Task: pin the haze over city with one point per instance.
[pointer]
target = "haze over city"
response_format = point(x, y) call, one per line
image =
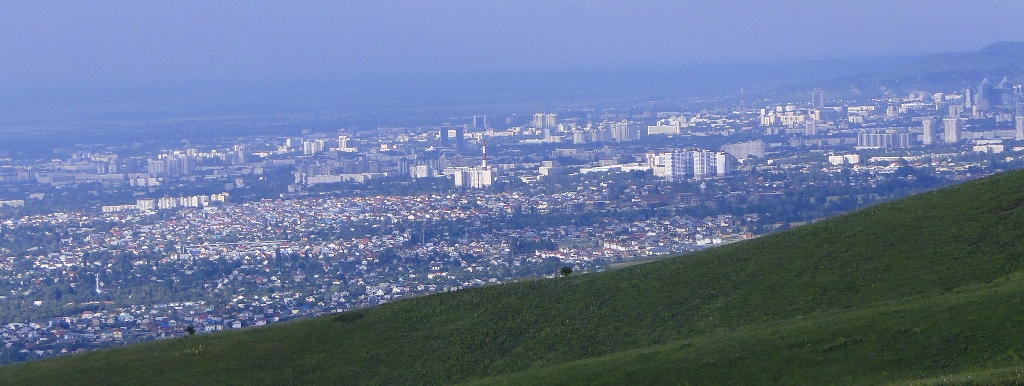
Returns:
point(652, 192)
point(60, 54)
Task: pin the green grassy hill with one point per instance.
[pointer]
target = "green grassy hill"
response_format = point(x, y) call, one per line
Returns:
point(926, 290)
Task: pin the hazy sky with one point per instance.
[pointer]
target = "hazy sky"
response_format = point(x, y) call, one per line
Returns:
point(46, 42)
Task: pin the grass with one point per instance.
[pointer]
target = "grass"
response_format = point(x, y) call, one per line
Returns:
point(901, 292)
point(948, 334)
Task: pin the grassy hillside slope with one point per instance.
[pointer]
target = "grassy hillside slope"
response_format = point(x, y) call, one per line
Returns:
point(914, 289)
point(954, 335)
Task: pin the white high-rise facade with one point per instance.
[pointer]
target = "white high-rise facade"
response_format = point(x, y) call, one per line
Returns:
point(679, 165)
point(928, 131)
point(704, 164)
point(951, 129)
point(1019, 120)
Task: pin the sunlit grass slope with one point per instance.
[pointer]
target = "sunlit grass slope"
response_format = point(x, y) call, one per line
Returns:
point(910, 291)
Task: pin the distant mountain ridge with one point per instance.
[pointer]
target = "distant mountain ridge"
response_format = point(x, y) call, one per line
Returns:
point(938, 72)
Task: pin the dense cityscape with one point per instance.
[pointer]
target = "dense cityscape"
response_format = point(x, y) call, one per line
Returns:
point(106, 246)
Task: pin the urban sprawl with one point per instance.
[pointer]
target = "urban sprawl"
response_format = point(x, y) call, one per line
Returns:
point(104, 247)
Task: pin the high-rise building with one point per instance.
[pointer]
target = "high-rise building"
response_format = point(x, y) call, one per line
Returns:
point(723, 163)
point(157, 167)
point(621, 132)
point(476, 177)
point(241, 154)
point(877, 140)
point(983, 100)
point(1019, 120)
point(955, 111)
point(817, 98)
point(545, 121)
point(811, 127)
point(445, 142)
point(1004, 95)
point(421, 171)
point(188, 165)
point(479, 121)
point(460, 138)
point(705, 164)
point(892, 112)
point(968, 98)
point(473, 177)
point(538, 121)
point(951, 130)
point(745, 150)
point(678, 165)
point(312, 147)
point(928, 131)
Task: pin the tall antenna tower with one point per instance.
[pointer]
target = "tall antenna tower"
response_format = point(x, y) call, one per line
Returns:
point(483, 148)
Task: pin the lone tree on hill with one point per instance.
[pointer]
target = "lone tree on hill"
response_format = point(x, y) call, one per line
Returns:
point(565, 271)
point(190, 330)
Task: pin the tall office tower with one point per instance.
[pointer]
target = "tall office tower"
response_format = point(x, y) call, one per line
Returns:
point(550, 121)
point(460, 137)
point(928, 128)
point(479, 121)
point(188, 165)
point(811, 127)
point(1019, 120)
point(817, 98)
point(968, 98)
point(984, 98)
point(538, 120)
point(445, 142)
point(156, 167)
point(723, 163)
point(951, 129)
point(621, 132)
point(1004, 93)
point(955, 111)
point(545, 121)
point(892, 112)
point(241, 154)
